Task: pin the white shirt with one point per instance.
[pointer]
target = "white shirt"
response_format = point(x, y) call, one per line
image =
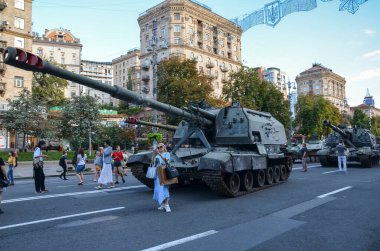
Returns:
point(81, 160)
point(37, 152)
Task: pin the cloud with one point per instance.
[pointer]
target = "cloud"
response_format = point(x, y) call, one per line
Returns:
point(365, 75)
point(373, 55)
point(369, 32)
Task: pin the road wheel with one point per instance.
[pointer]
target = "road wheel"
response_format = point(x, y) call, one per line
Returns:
point(323, 160)
point(233, 182)
point(259, 178)
point(247, 181)
point(283, 173)
point(276, 174)
point(269, 175)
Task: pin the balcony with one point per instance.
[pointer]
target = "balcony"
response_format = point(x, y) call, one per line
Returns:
point(145, 66)
point(210, 65)
point(145, 89)
point(223, 68)
point(180, 56)
point(145, 78)
point(3, 25)
point(3, 5)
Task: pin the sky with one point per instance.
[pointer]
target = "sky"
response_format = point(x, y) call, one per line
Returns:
point(346, 43)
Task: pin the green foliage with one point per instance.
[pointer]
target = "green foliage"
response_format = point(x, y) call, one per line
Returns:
point(180, 84)
point(78, 116)
point(247, 88)
point(155, 136)
point(26, 115)
point(49, 89)
point(375, 126)
point(124, 137)
point(310, 113)
point(360, 119)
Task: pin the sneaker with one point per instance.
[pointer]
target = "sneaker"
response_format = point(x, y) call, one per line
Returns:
point(37, 192)
point(111, 186)
point(117, 182)
point(123, 180)
point(80, 183)
point(161, 207)
point(98, 187)
point(167, 208)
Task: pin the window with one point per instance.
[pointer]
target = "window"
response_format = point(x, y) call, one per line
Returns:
point(62, 60)
point(163, 32)
point(191, 19)
point(192, 56)
point(40, 51)
point(191, 31)
point(163, 21)
point(19, 4)
point(177, 28)
point(146, 27)
point(216, 74)
point(222, 53)
point(216, 63)
point(73, 94)
point(177, 16)
point(200, 59)
point(19, 23)
point(19, 81)
point(177, 40)
point(19, 42)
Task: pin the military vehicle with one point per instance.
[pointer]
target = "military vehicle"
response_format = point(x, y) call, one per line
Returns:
point(233, 150)
point(360, 142)
point(135, 121)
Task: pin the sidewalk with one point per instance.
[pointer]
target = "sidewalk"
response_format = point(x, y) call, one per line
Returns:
point(24, 169)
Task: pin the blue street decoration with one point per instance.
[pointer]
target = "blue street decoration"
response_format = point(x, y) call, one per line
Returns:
point(272, 13)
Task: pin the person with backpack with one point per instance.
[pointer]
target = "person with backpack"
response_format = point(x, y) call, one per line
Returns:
point(63, 164)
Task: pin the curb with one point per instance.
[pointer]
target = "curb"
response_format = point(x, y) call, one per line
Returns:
point(52, 175)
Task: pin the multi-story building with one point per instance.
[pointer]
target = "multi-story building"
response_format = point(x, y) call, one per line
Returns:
point(15, 31)
point(61, 46)
point(368, 106)
point(101, 71)
point(127, 73)
point(189, 30)
point(278, 79)
point(319, 80)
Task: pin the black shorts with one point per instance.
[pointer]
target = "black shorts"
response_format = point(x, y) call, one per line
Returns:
point(117, 163)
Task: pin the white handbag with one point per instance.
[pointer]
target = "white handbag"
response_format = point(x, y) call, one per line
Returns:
point(151, 173)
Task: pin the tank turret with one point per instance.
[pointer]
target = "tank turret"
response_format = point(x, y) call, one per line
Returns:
point(233, 150)
point(360, 142)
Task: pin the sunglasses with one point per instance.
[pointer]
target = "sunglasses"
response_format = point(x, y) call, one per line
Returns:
point(161, 147)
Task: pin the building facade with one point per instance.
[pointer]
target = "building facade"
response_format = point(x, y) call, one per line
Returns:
point(127, 73)
point(189, 30)
point(62, 47)
point(100, 71)
point(319, 80)
point(368, 106)
point(15, 31)
point(278, 79)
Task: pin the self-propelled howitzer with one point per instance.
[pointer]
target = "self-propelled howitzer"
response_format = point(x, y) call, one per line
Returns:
point(360, 142)
point(233, 150)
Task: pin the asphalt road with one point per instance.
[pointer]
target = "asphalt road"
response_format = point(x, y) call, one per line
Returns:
point(317, 210)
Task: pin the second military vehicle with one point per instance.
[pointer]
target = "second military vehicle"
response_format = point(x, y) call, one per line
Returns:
point(360, 142)
point(233, 150)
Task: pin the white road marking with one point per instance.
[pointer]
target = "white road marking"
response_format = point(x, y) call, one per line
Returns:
point(334, 192)
point(181, 241)
point(69, 194)
point(60, 218)
point(331, 172)
point(299, 168)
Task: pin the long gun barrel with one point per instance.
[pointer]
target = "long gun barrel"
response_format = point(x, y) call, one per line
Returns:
point(132, 120)
point(340, 132)
point(30, 62)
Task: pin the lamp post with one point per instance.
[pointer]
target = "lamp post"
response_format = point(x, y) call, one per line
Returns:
point(290, 107)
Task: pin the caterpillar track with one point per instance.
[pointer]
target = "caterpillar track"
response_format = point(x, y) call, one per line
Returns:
point(139, 171)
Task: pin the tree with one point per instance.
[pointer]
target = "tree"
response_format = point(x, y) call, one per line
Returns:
point(246, 87)
point(180, 84)
point(80, 116)
point(360, 119)
point(310, 113)
point(26, 115)
point(49, 89)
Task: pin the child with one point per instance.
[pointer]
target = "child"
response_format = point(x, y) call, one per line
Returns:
point(63, 164)
point(98, 164)
point(12, 165)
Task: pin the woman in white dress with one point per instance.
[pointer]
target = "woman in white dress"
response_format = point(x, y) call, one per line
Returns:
point(161, 193)
point(106, 173)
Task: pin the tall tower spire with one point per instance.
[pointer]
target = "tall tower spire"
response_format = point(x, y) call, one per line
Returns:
point(368, 99)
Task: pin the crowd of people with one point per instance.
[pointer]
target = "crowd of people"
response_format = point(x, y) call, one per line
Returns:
point(109, 162)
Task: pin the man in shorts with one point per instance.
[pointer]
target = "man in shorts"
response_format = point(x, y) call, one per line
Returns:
point(117, 157)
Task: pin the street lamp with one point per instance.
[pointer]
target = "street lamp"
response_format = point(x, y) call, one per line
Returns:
point(290, 95)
